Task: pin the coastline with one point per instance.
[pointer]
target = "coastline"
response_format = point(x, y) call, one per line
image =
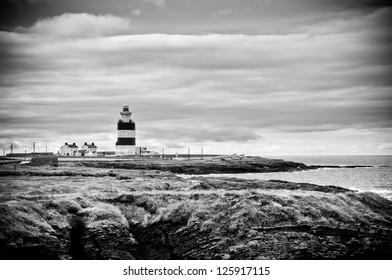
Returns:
point(143, 210)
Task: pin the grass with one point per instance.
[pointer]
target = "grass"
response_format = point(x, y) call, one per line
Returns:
point(233, 211)
point(22, 219)
point(102, 215)
point(42, 205)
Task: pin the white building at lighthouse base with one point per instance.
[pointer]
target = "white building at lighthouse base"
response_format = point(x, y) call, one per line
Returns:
point(125, 150)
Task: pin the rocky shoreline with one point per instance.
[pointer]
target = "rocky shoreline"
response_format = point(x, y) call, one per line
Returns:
point(222, 165)
point(142, 210)
point(218, 165)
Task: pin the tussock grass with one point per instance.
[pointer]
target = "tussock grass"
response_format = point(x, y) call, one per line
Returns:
point(64, 206)
point(22, 218)
point(102, 215)
point(179, 212)
point(238, 211)
point(229, 209)
point(134, 214)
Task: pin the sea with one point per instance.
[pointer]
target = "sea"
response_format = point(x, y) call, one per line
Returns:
point(377, 177)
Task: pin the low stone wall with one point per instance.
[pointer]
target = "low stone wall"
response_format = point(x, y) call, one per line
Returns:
point(40, 161)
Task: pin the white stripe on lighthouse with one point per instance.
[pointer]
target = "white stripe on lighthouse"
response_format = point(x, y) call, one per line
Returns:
point(126, 133)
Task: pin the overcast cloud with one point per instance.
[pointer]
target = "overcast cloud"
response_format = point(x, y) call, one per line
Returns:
point(255, 77)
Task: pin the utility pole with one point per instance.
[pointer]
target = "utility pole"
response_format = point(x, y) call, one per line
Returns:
point(25, 154)
point(33, 147)
point(12, 148)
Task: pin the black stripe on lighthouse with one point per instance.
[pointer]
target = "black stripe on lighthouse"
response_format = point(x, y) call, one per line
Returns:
point(125, 141)
point(126, 126)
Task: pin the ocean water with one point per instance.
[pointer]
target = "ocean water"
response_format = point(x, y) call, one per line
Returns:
point(375, 161)
point(376, 178)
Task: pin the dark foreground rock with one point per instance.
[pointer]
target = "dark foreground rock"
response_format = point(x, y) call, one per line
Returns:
point(268, 226)
point(89, 213)
point(105, 234)
point(62, 229)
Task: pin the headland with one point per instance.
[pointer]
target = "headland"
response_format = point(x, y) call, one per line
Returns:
point(141, 209)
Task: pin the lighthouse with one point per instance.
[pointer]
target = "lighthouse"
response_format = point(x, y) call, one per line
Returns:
point(126, 137)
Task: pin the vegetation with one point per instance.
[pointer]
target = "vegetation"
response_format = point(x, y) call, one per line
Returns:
point(88, 213)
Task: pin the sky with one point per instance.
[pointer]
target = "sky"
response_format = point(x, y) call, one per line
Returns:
point(259, 77)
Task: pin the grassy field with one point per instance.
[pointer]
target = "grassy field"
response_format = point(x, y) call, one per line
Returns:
point(78, 212)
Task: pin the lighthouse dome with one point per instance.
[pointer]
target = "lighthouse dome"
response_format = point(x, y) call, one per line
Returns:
point(125, 107)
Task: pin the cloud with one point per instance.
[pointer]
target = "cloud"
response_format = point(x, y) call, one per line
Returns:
point(385, 146)
point(357, 3)
point(215, 89)
point(158, 3)
point(197, 134)
point(222, 13)
point(22, 2)
point(79, 26)
point(136, 12)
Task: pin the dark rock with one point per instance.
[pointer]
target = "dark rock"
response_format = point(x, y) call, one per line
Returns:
point(105, 234)
point(41, 161)
point(222, 165)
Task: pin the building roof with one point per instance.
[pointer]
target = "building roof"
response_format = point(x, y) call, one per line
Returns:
point(70, 145)
point(90, 145)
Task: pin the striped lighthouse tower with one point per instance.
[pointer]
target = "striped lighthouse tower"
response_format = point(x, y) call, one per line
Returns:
point(126, 137)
